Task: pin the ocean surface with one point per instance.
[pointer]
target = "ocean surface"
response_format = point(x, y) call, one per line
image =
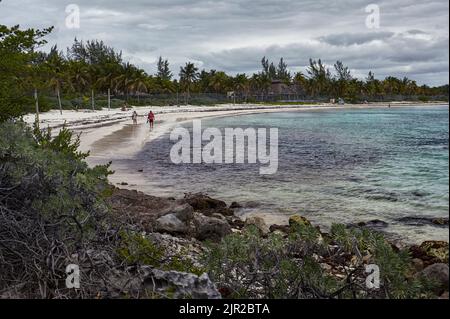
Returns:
point(335, 166)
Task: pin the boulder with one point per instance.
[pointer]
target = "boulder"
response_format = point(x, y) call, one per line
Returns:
point(179, 285)
point(422, 221)
point(297, 220)
point(183, 212)
point(436, 249)
point(202, 202)
point(430, 252)
point(170, 223)
point(207, 206)
point(280, 228)
point(235, 222)
point(146, 282)
point(374, 224)
point(259, 223)
point(437, 273)
point(418, 264)
point(235, 205)
point(142, 209)
point(210, 228)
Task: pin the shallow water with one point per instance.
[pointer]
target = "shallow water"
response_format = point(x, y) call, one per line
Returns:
point(335, 166)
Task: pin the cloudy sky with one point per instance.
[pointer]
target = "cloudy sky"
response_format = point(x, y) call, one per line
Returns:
point(233, 35)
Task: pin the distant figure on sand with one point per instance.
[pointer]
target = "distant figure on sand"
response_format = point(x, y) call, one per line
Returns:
point(151, 118)
point(134, 117)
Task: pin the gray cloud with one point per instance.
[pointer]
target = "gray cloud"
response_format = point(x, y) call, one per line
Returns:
point(347, 39)
point(233, 35)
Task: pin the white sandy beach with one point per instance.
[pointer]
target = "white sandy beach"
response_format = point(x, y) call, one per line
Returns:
point(110, 135)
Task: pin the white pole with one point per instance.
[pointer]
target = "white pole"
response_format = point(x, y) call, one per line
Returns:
point(37, 106)
point(109, 99)
point(59, 101)
point(92, 100)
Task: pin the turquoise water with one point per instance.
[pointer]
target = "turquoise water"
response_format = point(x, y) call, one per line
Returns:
point(341, 166)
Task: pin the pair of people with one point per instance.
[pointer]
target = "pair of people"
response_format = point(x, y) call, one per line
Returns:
point(150, 118)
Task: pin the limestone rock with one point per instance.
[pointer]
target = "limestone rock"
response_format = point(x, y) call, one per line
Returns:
point(297, 220)
point(437, 273)
point(259, 223)
point(210, 228)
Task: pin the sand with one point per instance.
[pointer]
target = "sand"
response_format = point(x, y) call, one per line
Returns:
point(110, 135)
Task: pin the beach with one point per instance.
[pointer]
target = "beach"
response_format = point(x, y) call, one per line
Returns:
point(110, 134)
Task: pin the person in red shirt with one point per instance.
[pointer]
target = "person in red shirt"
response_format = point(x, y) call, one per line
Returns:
point(151, 118)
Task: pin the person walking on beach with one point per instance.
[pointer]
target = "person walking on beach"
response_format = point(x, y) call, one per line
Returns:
point(134, 117)
point(151, 118)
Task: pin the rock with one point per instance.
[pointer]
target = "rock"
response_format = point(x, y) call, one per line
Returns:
point(440, 221)
point(207, 205)
point(235, 222)
point(259, 223)
point(179, 285)
point(375, 223)
point(171, 224)
point(437, 273)
point(146, 282)
point(219, 216)
point(183, 212)
point(282, 228)
point(436, 249)
point(123, 183)
point(235, 205)
point(422, 221)
point(201, 202)
point(210, 228)
point(297, 220)
point(417, 264)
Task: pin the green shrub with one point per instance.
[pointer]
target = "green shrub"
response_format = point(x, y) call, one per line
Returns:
point(395, 266)
point(51, 207)
point(250, 266)
point(136, 249)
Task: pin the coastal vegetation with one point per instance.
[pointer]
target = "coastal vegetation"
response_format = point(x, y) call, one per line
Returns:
point(93, 75)
point(56, 211)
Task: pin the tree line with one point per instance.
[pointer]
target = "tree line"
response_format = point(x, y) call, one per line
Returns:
point(91, 68)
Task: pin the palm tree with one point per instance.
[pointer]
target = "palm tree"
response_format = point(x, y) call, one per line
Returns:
point(188, 75)
point(55, 65)
point(79, 77)
point(219, 82)
point(242, 84)
point(124, 80)
point(138, 82)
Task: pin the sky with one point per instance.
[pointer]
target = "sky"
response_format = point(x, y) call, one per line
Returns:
point(411, 38)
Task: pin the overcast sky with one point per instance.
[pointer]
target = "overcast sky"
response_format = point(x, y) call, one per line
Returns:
point(233, 35)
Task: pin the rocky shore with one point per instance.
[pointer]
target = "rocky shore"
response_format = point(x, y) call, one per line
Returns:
point(183, 226)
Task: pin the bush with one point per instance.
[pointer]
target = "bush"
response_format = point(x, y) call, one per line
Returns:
point(249, 266)
point(136, 250)
point(52, 208)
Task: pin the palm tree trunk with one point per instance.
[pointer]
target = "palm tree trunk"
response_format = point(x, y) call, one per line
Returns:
point(59, 101)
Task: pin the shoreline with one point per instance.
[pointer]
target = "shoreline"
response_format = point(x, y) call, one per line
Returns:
point(114, 137)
